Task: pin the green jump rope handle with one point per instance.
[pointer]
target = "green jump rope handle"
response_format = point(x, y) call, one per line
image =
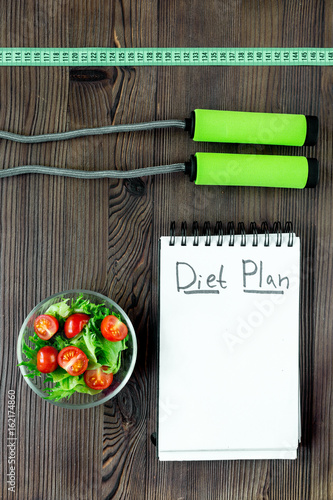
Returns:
point(252, 128)
point(222, 169)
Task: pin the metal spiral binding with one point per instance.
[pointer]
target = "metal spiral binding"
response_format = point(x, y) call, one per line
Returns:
point(241, 230)
point(183, 232)
point(230, 233)
point(219, 233)
point(277, 230)
point(207, 233)
point(264, 229)
point(289, 229)
point(195, 230)
point(172, 233)
point(254, 230)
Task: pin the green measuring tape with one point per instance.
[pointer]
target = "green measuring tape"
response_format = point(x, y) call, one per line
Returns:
point(18, 56)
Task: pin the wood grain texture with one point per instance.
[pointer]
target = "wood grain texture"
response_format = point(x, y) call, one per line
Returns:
point(103, 235)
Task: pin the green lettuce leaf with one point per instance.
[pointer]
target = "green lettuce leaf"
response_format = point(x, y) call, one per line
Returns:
point(87, 307)
point(61, 310)
point(58, 375)
point(87, 342)
point(31, 354)
point(109, 354)
point(59, 341)
point(67, 386)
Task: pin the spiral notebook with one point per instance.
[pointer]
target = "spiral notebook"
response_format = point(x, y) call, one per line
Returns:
point(228, 344)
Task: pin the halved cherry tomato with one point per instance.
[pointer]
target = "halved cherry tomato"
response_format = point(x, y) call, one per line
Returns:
point(74, 324)
point(46, 326)
point(113, 329)
point(73, 360)
point(47, 359)
point(98, 379)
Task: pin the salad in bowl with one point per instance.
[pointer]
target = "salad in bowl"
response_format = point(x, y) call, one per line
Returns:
point(77, 349)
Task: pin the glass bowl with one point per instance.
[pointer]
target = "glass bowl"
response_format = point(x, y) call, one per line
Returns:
point(79, 400)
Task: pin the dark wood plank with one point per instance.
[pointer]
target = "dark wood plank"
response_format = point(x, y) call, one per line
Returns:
point(55, 238)
point(258, 89)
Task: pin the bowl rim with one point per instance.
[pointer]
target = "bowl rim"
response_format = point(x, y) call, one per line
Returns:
point(66, 404)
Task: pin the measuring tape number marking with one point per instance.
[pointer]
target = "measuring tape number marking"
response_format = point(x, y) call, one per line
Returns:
point(98, 56)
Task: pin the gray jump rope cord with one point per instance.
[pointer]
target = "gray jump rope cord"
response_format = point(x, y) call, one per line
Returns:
point(82, 174)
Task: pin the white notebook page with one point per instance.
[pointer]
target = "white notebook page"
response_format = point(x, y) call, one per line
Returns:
point(229, 373)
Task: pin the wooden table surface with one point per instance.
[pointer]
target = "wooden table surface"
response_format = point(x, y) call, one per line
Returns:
point(59, 234)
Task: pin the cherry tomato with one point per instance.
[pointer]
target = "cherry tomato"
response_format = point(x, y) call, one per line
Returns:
point(113, 329)
point(73, 360)
point(47, 359)
point(46, 326)
point(98, 379)
point(74, 324)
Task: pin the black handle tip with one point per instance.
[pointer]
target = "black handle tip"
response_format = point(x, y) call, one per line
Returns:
point(191, 168)
point(190, 124)
point(313, 175)
point(312, 130)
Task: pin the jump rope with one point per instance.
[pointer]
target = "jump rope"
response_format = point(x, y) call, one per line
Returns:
point(221, 169)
